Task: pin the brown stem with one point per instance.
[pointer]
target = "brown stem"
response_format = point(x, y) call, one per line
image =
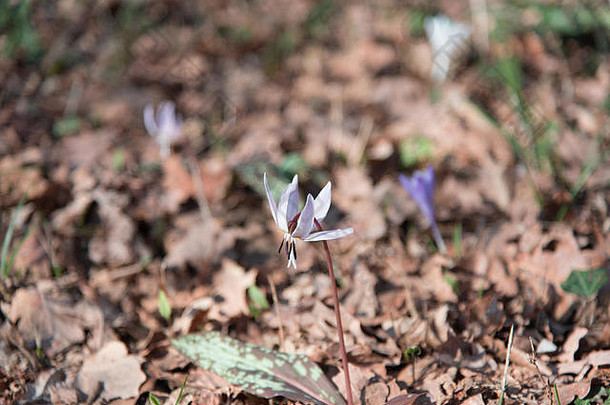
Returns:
point(333, 282)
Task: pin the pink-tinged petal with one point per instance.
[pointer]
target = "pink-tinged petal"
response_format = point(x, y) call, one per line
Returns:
point(270, 199)
point(322, 202)
point(293, 199)
point(286, 209)
point(328, 235)
point(149, 120)
point(305, 223)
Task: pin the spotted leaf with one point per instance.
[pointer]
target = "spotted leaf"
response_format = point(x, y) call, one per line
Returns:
point(258, 370)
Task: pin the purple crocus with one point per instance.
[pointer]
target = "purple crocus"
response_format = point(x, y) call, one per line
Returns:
point(165, 126)
point(420, 187)
point(302, 225)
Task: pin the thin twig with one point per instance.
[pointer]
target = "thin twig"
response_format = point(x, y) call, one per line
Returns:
point(277, 310)
point(532, 360)
point(333, 282)
point(510, 346)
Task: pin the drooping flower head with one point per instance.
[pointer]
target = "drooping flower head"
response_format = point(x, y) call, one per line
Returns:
point(420, 187)
point(165, 126)
point(302, 225)
point(447, 38)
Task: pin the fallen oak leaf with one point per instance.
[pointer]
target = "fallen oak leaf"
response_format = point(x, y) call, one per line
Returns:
point(111, 369)
point(258, 370)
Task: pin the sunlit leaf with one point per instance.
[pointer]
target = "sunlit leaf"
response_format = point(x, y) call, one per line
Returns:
point(165, 308)
point(258, 370)
point(585, 283)
point(258, 297)
point(153, 399)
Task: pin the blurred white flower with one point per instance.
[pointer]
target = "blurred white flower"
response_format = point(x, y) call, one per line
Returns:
point(301, 225)
point(447, 39)
point(164, 127)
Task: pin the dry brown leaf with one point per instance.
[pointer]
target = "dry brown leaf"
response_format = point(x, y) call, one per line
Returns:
point(362, 295)
point(177, 183)
point(476, 400)
point(64, 220)
point(118, 372)
point(434, 281)
point(359, 377)
point(194, 241)
point(376, 393)
point(440, 385)
point(354, 194)
point(21, 175)
point(216, 178)
point(567, 393)
point(50, 323)
point(231, 283)
point(572, 343)
point(86, 149)
point(597, 358)
point(115, 245)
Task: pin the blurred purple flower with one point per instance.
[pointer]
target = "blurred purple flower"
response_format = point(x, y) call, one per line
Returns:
point(420, 187)
point(301, 225)
point(164, 127)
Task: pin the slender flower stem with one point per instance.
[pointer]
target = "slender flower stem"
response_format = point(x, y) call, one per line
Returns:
point(333, 282)
point(440, 243)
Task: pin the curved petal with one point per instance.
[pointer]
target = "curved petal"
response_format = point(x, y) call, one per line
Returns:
point(417, 190)
point(305, 222)
point(149, 120)
point(166, 116)
point(328, 235)
point(288, 206)
point(427, 178)
point(177, 125)
point(293, 199)
point(270, 199)
point(322, 202)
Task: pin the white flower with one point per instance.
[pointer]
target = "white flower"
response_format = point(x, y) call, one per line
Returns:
point(446, 38)
point(165, 127)
point(301, 225)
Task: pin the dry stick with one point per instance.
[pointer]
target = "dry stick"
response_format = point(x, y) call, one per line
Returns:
point(547, 386)
point(510, 346)
point(277, 311)
point(333, 282)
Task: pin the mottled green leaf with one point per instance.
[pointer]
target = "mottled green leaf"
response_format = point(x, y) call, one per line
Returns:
point(585, 283)
point(258, 370)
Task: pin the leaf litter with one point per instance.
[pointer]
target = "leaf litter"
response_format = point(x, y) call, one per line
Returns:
point(328, 91)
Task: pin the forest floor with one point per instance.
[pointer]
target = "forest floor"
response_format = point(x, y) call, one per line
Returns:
point(110, 251)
